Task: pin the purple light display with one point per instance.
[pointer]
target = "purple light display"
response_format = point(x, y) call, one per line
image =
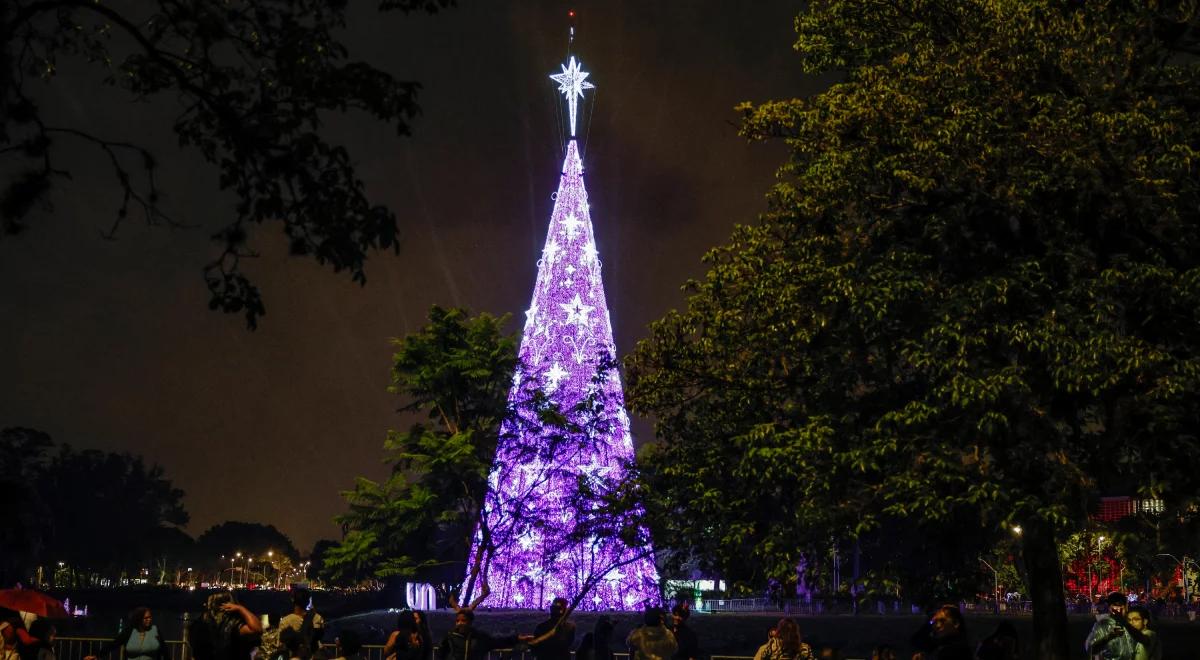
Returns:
point(532, 503)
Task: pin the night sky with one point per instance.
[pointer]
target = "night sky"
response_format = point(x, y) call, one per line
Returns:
point(110, 344)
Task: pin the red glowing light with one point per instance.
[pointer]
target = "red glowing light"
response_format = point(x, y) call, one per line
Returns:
point(571, 13)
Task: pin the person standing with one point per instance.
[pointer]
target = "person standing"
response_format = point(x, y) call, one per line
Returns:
point(1002, 644)
point(1146, 642)
point(561, 634)
point(465, 642)
point(44, 634)
point(140, 639)
point(306, 622)
point(784, 643)
point(8, 641)
point(225, 631)
point(349, 645)
point(652, 640)
point(685, 637)
point(944, 637)
point(424, 633)
point(1109, 637)
point(596, 645)
point(405, 642)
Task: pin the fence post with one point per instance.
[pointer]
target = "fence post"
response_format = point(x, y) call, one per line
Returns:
point(186, 646)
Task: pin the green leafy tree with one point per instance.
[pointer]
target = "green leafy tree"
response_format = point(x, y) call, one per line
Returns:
point(453, 376)
point(971, 305)
point(249, 84)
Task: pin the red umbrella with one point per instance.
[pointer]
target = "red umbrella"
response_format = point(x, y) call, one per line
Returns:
point(36, 602)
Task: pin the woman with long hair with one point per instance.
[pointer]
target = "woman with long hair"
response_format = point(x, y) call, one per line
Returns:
point(140, 639)
point(405, 642)
point(424, 633)
point(224, 628)
point(784, 643)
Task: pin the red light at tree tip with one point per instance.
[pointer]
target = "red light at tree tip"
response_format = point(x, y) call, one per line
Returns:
point(571, 14)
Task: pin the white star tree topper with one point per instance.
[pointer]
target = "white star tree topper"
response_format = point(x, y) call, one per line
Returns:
point(571, 83)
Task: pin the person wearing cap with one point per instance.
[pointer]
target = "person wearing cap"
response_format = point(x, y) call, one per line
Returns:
point(1112, 638)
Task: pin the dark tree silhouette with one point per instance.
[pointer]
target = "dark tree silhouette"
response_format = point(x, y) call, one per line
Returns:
point(249, 80)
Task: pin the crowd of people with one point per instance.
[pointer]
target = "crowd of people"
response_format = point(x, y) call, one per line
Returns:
point(24, 637)
point(1117, 635)
point(226, 630)
point(1123, 632)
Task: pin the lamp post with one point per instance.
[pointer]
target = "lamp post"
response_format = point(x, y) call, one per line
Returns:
point(1091, 583)
point(995, 584)
point(1182, 570)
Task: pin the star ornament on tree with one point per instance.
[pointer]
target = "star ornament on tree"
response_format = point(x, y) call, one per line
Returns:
point(554, 377)
point(571, 83)
point(572, 225)
point(577, 312)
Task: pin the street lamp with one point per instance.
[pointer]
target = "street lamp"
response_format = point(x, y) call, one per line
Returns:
point(995, 584)
point(1091, 583)
point(238, 555)
point(1182, 571)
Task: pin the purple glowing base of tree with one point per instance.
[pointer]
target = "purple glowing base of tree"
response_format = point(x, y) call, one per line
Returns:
point(534, 501)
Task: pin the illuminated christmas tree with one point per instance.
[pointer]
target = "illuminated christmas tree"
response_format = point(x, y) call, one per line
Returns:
point(567, 351)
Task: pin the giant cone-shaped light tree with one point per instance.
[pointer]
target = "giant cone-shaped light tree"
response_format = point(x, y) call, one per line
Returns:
point(567, 351)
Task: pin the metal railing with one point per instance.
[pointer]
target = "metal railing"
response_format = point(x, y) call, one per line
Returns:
point(77, 648)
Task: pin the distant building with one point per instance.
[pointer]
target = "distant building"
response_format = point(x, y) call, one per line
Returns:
point(1112, 509)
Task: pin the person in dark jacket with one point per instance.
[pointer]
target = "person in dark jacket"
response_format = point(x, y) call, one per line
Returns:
point(225, 631)
point(685, 637)
point(597, 645)
point(1002, 644)
point(558, 645)
point(43, 634)
point(944, 637)
point(464, 642)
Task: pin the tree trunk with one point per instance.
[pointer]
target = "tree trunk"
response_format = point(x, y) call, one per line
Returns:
point(1050, 640)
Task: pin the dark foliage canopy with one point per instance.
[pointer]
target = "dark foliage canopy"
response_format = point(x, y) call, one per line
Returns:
point(973, 302)
point(101, 513)
point(247, 84)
